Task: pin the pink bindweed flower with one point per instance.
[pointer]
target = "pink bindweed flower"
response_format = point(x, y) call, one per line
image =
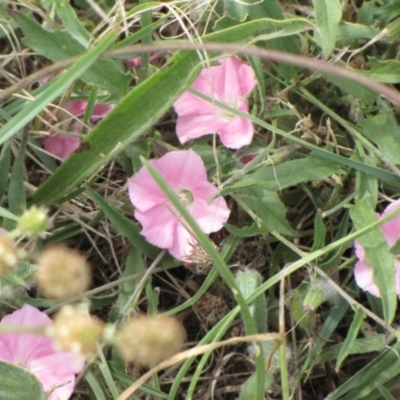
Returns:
point(230, 83)
point(184, 171)
point(54, 369)
point(362, 272)
point(62, 146)
point(137, 61)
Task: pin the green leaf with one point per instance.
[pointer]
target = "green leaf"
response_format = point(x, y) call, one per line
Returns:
point(327, 329)
point(149, 101)
point(319, 232)
point(124, 227)
point(281, 28)
point(268, 207)
point(245, 231)
point(18, 384)
point(72, 23)
point(95, 386)
point(134, 265)
point(383, 130)
point(58, 46)
point(384, 71)
point(350, 338)
point(368, 344)
point(350, 31)
point(377, 256)
point(248, 281)
point(290, 173)
point(380, 370)
point(328, 14)
point(358, 91)
point(7, 214)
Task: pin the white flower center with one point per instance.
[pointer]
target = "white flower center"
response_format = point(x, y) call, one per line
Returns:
point(186, 197)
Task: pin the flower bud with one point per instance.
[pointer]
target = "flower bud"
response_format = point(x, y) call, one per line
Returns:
point(33, 222)
point(148, 340)
point(74, 329)
point(8, 256)
point(62, 273)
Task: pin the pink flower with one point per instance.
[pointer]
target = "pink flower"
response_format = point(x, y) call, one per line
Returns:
point(136, 61)
point(63, 145)
point(55, 370)
point(184, 171)
point(230, 83)
point(362, 272)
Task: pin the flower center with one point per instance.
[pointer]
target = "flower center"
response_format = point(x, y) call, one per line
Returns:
point(186, 197)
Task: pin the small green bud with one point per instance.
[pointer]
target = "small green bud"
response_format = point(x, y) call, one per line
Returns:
point(319, 292)
point(33, 222)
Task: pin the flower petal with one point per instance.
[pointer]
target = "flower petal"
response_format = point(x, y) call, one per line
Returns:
point(237, 133)
point(61, 146)
point(182, 244)
point(182, 169)
point(159, 225)
point(229, 82)
point(144, 192)
point(391, 229)
point(364, 274)
point(57, 372)
point(22, 346)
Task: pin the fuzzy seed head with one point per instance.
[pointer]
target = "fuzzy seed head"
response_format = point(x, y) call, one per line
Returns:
point(62, 273)
point(74, 329)
point(148, 340)
point(8, 256)
point(33, 222)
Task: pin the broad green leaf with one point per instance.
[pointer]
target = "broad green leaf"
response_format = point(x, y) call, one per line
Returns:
point(377, 256)
point(281, 28)
point(138, 111)
point(246, 231)
point(351, 337)
point(18, 384)
point(326, 331)
point(383, 130)
point(72, 23)
point(124, 227)
point(290, 173)
point(366, 184)
point(54, 89)
point(328, 14)
point(350, 31)
point(248, 281)
point(387, 71)
point(133, 265)
point(362, 383)
point(319, 232)
point(268, 207)
point(372, 342)
point(367, 96)
point(60, 45)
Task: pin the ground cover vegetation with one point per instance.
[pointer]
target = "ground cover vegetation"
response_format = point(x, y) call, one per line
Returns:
point(199, 199)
